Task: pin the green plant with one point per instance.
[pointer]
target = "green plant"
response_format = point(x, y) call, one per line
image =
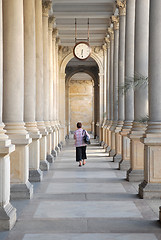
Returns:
point(133, 82)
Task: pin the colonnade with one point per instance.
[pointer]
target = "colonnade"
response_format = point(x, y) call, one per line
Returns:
point(29, 99)
point(132, 129)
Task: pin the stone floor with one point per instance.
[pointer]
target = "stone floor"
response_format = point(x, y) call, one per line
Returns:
point(92, 202)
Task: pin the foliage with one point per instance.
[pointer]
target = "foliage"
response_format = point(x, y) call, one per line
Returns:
point(134, 82)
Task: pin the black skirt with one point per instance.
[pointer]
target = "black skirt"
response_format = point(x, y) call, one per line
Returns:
point(80, 153)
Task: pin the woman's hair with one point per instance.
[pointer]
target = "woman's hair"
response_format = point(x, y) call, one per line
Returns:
point(79, 125)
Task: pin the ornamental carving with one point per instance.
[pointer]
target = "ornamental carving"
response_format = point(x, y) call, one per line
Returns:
point(97, 49)
point(111, 33)
point(115, 21)
point(51, 21)
point(121, 5)
point(55, 32)
point(46, 6)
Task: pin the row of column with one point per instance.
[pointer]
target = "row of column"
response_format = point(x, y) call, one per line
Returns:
point(29, 107)
point(133, 93)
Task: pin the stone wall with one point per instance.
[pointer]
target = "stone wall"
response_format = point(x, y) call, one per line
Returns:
point(81, 103)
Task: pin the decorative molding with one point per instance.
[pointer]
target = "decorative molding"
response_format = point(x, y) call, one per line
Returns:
point(51, 21)
point(46, 6)
point(55, 33)
point(104, 47)
point(97, 49)
point(115, 21)
point(107, 41)
point(121, 5)
point(111, 33)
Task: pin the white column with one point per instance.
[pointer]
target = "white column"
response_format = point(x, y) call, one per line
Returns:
point(121, 79)
point(115, 21)
point(151, 187)
point(54, 35)
point(13, 104)
point(129, 72)
point(46, 7)
point(136, 172)
point(7, 211)
point(50, 157)
point(62, 107)
point(111, 34)
point(58, 146)
point(35, 173)
point(44, 165)
point(104, 47)
point(108, 92)
point(101, 77)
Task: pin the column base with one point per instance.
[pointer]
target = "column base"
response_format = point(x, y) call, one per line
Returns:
point(54, 153)
point(117, 158)
point(112, 153)
point(105, 146)
point(44, 165)
point(7, 217)
point(50, 158)
point(135, 175)
point(35, 175)
point(57, 149)
point(60, 146)
point(124, 165)
point(108, 149)
point(150, 190)
point(21, 191)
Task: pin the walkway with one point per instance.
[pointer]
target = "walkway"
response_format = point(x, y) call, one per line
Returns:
point(93, 202)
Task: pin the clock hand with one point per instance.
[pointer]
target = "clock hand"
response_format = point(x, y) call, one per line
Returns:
point(82, 52)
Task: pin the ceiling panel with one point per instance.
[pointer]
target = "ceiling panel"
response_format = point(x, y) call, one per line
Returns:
point(98, 12)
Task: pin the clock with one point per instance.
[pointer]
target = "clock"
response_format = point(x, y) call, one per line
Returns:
point(82, 50)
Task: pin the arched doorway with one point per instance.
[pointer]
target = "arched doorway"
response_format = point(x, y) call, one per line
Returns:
point(82, 94)
point(81, 101)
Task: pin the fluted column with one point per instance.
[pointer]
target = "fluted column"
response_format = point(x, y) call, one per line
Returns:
point(136, 172)
point(50, 157)
point(107, 92)
point(35, 173)
point(46, 77)
point(129, 73)
point(101, 77)
point(58, 146)
point(7, 211)
point(104, 47)
point(115, 21)
point(13, 104)
point(54, 35)
point(44, 165)
point(121, 79)
point(111, 34)
point(151, 187)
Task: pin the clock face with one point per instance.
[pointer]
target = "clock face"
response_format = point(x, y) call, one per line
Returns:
point(82, 50)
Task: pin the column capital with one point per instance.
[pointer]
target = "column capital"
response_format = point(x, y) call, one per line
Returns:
point(111, 33)
point(115, 21)
point(55, 32)
point(58, 40)
point(46, 6)
point(107, 40)
point(51, 21)
point(104, 47)
point(121, 5)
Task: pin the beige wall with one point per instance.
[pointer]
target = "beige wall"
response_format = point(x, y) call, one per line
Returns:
point(81, 103)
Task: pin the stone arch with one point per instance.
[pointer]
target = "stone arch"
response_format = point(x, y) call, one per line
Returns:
point(68, 57)
point(77, 71)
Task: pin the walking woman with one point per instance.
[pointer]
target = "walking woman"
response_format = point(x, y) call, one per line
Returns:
point(80, 144)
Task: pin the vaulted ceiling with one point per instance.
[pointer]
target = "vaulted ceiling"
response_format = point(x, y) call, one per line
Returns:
point(98, 12)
